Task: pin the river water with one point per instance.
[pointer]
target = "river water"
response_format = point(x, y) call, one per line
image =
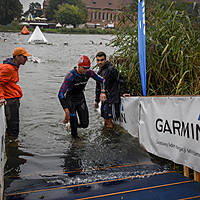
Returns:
point(45, 154)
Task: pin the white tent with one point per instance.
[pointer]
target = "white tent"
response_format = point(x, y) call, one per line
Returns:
point(58, 25)
point(37, 37)
point(111, 25)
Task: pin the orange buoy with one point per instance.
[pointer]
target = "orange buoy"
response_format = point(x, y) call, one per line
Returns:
point(25, 31)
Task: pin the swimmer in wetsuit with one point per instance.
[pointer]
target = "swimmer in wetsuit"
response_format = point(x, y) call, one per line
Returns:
point(71, 94)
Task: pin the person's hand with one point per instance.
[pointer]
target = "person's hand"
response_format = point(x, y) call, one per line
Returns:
point(2, 101)
point(126, 95)
point(67, 116)
point(96, 104)
point(102, 97)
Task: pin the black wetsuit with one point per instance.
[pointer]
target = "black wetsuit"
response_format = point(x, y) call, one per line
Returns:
point(71, 96)
point(114, 87)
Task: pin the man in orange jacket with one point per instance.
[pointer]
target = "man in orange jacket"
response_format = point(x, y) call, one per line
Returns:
point(10, 92)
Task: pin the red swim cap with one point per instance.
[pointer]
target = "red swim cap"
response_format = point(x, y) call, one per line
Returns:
point(84, 61)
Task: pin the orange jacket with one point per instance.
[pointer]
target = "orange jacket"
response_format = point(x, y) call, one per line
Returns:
point(8, 80)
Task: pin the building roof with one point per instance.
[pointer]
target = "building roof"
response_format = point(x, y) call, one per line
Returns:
point(112, 4)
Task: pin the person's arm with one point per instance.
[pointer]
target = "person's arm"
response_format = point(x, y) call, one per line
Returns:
point(95, 76)
point(97, 92)
point(65, 87)
point(67, 116)
point(97, 95)
point(2, 100)
point(5, 76)
point(100, 88)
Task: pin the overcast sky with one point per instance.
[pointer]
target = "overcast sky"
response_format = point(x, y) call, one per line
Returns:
point(26, 3)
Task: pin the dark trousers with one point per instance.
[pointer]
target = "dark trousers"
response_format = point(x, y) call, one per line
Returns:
point(12, 116)
point(81, 110)
point(110, 111)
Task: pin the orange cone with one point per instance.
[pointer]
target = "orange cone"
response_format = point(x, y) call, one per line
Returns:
point(25, 31)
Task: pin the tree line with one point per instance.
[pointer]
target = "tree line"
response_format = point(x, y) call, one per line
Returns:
point(10, 9)
point(69, 11)
point(63, 11)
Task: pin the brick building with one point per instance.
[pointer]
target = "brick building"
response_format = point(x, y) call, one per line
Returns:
point(101, 11)
point(104, 11)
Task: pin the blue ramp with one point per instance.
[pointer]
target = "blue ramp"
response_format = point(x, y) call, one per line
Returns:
point(159, 186)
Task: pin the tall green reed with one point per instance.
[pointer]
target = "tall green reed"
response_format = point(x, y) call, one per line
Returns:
point(172, 50)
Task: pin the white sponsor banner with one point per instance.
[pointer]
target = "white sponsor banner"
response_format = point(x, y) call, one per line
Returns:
point(129, 118)
point(2, 148)
point(170, 128)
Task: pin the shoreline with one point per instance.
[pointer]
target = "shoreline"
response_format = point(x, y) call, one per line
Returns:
point(16, 29)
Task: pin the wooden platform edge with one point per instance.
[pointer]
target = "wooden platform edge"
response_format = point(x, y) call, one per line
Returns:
point(195, 173)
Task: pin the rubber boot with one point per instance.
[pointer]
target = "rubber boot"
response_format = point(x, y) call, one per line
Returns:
point(108, 123)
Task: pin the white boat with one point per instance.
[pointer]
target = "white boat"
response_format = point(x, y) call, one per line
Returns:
point(37, 37)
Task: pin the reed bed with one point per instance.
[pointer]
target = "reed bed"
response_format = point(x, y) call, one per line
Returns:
point(172, 50)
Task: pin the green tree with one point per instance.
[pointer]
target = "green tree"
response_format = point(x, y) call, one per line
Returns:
point(34, 9)
point(70, 14)
point(10, 9)
point(53, 7)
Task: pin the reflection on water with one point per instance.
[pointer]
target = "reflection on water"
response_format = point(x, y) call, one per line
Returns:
point(13, 160)
point(45, 154)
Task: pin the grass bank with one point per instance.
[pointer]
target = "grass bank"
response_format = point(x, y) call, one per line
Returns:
point(17, 28)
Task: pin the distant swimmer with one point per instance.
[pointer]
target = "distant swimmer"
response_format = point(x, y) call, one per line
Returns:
point(66, 43)
point(92, 41)
point(100, 43)
point(35, 59)
point(72, 98)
